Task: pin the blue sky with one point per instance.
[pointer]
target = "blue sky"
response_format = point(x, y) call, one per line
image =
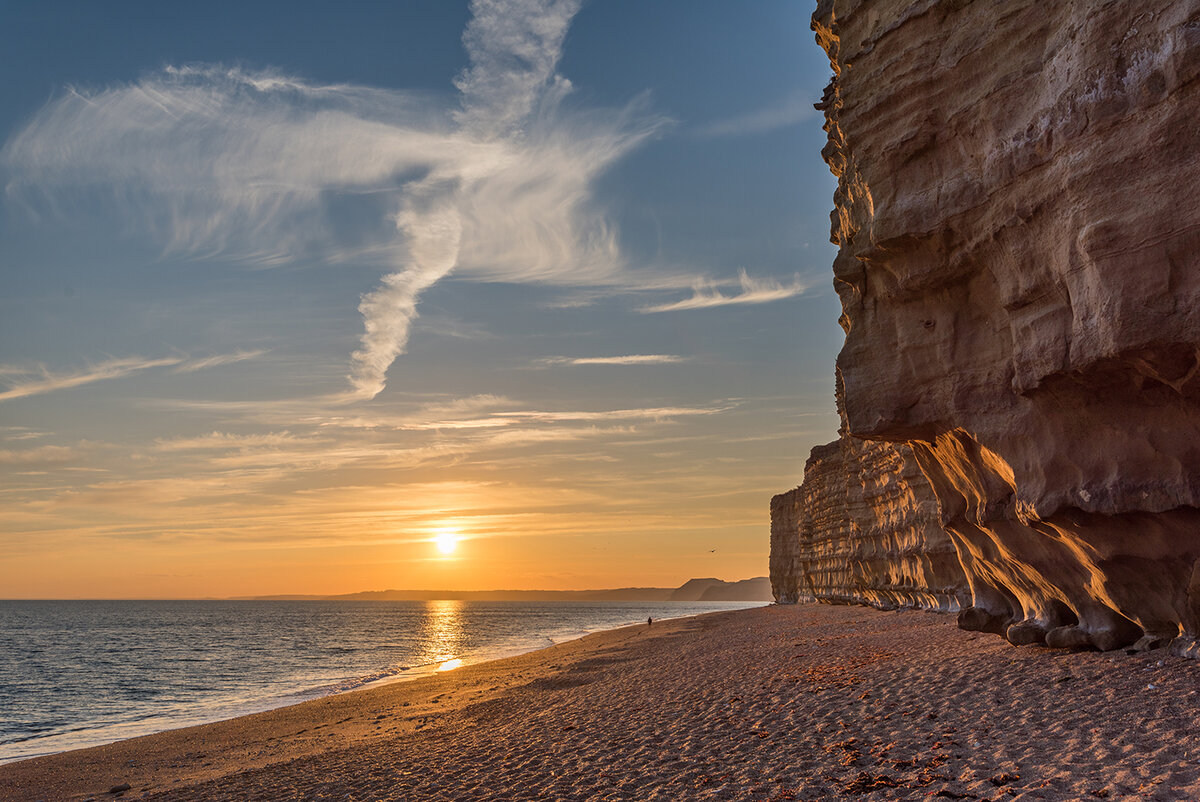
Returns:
point(288, 290)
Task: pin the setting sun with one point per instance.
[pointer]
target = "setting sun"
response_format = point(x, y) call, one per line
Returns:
point(446, 540)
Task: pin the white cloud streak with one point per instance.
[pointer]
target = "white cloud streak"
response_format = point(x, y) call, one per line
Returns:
point(650, 413)
point(259, 166)
point(37, 456)
point(754, 291)
point(203, 363)
point(28, 381)
point(630, 359)
point(48, 382)
point(787, 111)
point(19, 432)
point(487, 412)
point(514, 47)
point(225, 440)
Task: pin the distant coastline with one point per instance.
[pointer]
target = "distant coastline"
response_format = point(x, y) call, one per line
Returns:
point(707, 589)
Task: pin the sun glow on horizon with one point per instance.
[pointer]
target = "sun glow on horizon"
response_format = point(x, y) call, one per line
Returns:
point(446, 539)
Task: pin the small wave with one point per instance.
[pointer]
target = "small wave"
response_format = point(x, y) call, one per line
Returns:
point(49, 732)
point(353, 683)
point(20, 739)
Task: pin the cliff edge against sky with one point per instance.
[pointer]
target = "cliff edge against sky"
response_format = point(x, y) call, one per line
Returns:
point(1018, 222)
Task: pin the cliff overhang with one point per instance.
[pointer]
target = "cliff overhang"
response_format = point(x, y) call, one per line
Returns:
point(1018, 227)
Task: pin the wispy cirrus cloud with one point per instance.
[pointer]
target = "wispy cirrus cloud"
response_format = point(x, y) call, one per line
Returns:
point(434, 435)
point(651, 413)
point(494, 185)
point(203, 363)
point(491, 412)
point(19, 432)
point(753, 291)
point(226, 440)
point(37, 456)
point(784, 112)
point(628, 359)
point(25, 381)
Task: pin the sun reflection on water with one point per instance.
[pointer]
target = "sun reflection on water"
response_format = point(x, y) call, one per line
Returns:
point(442, 627)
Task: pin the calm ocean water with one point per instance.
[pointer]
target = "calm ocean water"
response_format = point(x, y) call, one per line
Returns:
point(82, 673)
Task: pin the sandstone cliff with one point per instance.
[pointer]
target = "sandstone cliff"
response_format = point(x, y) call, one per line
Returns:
point(863, 528)
point(1018, 222)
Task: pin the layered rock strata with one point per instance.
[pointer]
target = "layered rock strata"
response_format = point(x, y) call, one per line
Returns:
point(863, 528)
point(1018, 222)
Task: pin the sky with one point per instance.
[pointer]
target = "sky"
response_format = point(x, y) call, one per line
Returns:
point(313, 298)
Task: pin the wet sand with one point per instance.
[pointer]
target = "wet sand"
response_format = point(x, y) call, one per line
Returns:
point(806, 702)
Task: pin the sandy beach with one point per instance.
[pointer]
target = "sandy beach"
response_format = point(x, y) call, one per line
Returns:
point(805, 702)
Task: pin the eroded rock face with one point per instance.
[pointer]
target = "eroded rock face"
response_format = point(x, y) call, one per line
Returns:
point(863, 528)
point(786, 581)
point(1018, 217)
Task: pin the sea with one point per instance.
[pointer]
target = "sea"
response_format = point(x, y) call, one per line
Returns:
point(82, 673)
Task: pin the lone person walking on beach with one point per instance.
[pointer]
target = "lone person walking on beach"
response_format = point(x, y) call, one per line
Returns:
point(649, 621)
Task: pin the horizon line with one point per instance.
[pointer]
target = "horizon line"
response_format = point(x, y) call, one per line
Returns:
point(334, 596)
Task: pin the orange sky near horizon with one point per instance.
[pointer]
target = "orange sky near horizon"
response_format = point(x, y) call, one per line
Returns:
point(507, 538)
point(256, 520)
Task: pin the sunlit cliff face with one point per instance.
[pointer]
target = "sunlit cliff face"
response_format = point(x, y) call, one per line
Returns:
point(991, 280)
point(1022, 297)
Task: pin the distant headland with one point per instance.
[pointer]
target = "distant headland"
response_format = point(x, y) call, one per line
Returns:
point(708, 589)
